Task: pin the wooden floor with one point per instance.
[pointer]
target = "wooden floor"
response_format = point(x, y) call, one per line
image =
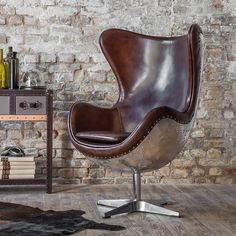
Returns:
point(205, 209)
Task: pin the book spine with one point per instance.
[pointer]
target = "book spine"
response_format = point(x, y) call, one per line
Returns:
point(21, 172)
point(18, 177)
point(17, 172)
point(19, 163)
point(6, 158)
point(17, 167)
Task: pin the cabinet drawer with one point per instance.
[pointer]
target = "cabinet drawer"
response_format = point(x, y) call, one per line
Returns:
point(30, 105)
point(4, 105)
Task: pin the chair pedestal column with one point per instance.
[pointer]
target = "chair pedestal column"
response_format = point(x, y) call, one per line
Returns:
point(136, 204)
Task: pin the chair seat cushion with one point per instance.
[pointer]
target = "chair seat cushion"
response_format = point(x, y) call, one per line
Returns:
point(103, 136)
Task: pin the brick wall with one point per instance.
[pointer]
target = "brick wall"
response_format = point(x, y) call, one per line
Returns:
point(60, 38)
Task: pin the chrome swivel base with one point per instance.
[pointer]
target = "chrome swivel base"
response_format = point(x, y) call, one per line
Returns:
point(127, 206)
point(136, 204)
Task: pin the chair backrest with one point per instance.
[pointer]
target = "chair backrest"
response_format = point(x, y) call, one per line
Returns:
point(153, 71)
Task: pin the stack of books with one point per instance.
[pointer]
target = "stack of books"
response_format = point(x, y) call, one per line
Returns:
point(17, 167)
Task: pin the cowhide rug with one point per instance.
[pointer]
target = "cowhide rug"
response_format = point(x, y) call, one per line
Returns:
point(16, 219)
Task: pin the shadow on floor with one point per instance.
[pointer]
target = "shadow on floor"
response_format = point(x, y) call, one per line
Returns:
point(16, 219)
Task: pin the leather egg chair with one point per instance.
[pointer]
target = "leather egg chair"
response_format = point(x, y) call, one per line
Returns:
point(159, 80)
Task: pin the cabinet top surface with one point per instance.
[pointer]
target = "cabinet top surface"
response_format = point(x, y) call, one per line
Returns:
point(8, 92)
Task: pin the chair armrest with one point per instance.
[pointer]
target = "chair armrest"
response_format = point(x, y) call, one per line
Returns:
point(87, 117)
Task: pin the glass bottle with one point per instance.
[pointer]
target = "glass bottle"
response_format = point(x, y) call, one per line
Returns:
point(13, 73)
point(7, 66)
point(2, 71)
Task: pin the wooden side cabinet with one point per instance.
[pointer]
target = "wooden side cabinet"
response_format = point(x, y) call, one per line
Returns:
point(29, 105)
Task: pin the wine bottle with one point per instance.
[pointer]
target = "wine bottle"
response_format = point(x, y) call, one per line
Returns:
point(13, 65)
point(2, 71)
point(7, 66)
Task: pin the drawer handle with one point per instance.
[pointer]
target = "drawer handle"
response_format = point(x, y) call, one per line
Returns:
point(27, 105)
point(24, 105)
point(37, 105)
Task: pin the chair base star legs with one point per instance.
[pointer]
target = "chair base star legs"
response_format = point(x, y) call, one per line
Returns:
point(136, 204)
point(140, 206)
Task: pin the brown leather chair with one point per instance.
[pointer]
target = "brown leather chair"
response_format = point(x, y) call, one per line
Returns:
point(159, 80)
